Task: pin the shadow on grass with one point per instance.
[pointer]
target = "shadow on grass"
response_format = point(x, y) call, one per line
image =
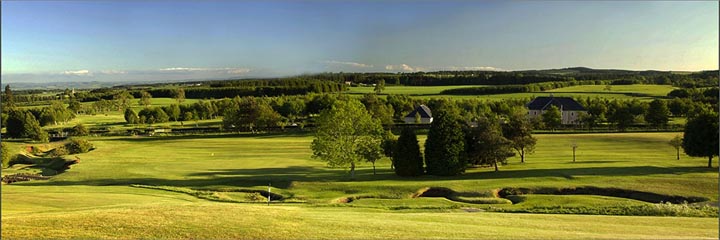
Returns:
point(284, 177)
point(210, 136)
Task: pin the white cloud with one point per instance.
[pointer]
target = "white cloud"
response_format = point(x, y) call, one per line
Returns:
point(238, 70)
point(182, 69)
point(404, 67)
point(223, 70)
point(352, 64)
point(78, 73)
point(480, 68)
point(113, 72)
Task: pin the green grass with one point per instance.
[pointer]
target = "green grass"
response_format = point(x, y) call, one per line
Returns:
point(623, 92)
point(637, 89)
point(409, 90)
point(94, 198)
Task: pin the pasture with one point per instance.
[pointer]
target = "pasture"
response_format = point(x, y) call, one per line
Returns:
point(101, 197)
point(644, 92)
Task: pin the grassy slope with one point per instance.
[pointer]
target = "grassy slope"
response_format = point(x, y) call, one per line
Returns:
point(93, 198)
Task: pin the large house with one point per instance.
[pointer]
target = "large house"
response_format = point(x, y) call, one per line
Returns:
point(570, 109)
point(421, 111)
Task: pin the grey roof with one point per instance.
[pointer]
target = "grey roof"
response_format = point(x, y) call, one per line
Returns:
point(564, 103)
point(423, 110)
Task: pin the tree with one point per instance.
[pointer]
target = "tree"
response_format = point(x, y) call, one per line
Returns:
point(6, 154)
point(445, 144)
point(173, 111)
point(388, 145)
point(252, 114)
point(122, 99)
point(486, 145)
point(343, 133)
point(131, 117)
point(371, 152)
point(379, 86)
point(657, 114)
point(9, 98)
point(407, 158)
point(145, 99)
point(292, 109)
point(676, 143)
point(620, 115)
point(22, 124)
point(518, 130)
point(179, 95)
point(74, 106)
point(701, 136)
point(552, 118)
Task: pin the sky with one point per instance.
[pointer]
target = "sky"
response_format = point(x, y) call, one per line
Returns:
point(173, 40)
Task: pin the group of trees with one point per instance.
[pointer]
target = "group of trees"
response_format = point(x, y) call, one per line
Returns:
point(347, 134)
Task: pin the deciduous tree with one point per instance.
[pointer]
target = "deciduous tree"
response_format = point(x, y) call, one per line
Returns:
point(701, 136)
point(518, 130)
point(486, 144)
point(343, 134)
point(676, 143)
point(552, 117)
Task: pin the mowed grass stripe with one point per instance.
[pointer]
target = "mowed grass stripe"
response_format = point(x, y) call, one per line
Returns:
point(217, 220)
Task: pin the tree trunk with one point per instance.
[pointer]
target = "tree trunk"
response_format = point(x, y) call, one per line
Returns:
point(352, 170)
point(496, 167)
point(522, 155)
point(373, 168)
point(678, 154)
point(710, 161)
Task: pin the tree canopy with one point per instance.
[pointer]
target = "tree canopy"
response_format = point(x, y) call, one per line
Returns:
point(407, 158)
point(701, 136)
point(445, 144)
point(345, 134)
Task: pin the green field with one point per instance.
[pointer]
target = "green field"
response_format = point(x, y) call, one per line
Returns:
point(624, 92)
point(409, 90)
point(95, 197)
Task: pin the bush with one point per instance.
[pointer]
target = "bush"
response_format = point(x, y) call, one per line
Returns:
point(7, 155)
point(60, 151)
point(78, 146)
point(79, 130)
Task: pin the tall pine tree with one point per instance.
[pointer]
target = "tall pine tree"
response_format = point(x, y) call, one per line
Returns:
point(445, 144)
point(407, 157)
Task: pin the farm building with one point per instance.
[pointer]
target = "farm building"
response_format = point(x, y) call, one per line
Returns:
point(421, 111)
point(570, 109)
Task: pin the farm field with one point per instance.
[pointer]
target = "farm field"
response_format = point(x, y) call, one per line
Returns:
point(115, 180)
point(409, 90)
point(644, 92)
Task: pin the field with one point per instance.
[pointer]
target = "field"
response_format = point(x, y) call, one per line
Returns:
point(206, 180)
point(637, 91)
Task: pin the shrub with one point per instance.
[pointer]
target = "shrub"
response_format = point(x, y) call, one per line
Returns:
point(7, 155)
point(60, 151)
point(78, 146)
point(79, 130)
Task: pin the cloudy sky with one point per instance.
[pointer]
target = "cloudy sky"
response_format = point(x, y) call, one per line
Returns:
point(166, 40)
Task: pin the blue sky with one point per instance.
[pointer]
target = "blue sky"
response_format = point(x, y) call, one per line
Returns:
point(165, 40)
